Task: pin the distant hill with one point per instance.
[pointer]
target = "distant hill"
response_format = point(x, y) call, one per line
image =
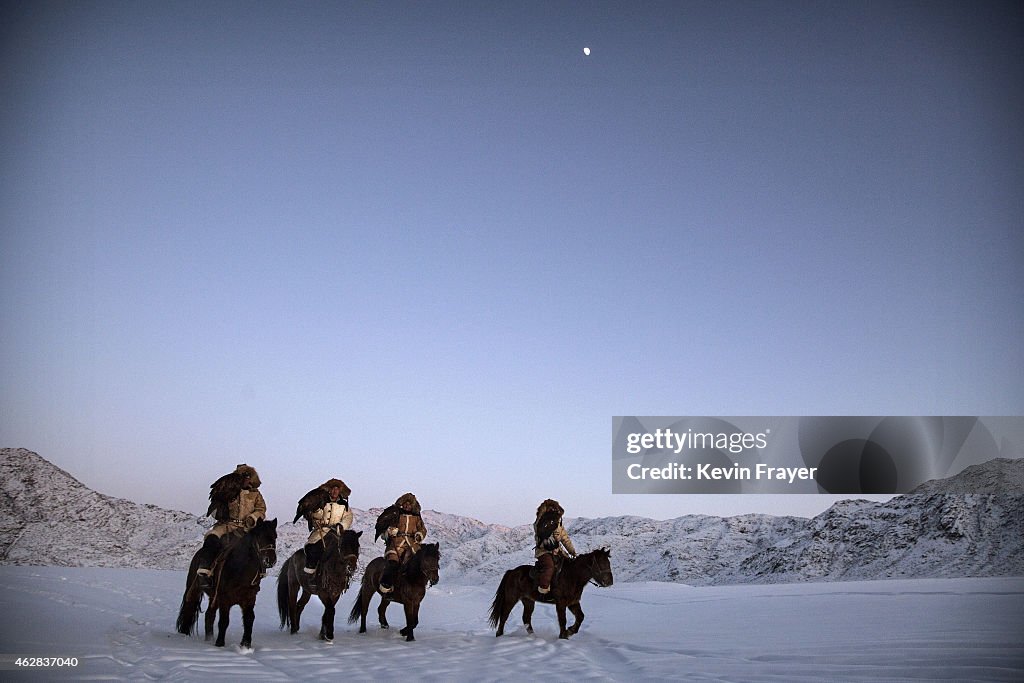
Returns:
point(937, 531)
point(996, 476)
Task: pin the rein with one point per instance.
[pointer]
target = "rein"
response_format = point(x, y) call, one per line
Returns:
point(261, 551)
point(591, 564)
point(260, 562)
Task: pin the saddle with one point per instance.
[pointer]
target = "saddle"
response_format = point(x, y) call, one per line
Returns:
point(216, 565)
point(559, 560)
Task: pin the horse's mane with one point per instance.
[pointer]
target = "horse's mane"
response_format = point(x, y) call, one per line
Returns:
point(428, 550)
point(350, 539)
point(597, 551)
point(263, 531)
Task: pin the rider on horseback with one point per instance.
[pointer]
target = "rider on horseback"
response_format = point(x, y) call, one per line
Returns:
point(405, 532)
point(551, 538)
point(325, 509)
point(236, 504)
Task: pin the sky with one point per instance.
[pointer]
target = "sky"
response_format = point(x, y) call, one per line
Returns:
point(433, 247)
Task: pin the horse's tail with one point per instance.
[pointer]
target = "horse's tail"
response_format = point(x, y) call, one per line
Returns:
point(282, 595)
point(357, 610)
point(498, 606)
point(188, 615)
point(365, 586)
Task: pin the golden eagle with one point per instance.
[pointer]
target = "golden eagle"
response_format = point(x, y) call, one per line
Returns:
point(310, 503)
point(222, 492)
point(546, 526)
point(387, 518)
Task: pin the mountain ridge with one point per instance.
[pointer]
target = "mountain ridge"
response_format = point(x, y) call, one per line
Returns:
point(933, 532)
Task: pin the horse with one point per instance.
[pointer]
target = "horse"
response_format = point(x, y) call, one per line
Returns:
point(409, 589)
point(235, 580)
point(332, 579)
point(566, 590)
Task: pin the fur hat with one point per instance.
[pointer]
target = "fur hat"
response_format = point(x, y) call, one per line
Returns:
point(408, 501)
point(550, 504)
point(331, 483)
point(254, 479)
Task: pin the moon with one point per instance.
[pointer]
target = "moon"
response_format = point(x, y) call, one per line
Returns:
point(586, 51)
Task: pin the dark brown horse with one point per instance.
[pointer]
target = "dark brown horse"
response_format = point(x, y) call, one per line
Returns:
point(410, 587)
point(332, 579)
point(566, 588)
point(235, 581)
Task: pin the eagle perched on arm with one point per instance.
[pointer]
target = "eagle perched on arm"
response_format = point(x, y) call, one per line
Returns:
point(319, 497)
point(387, 518)
point(310, 503)
point(222, 492)
point(546, 526)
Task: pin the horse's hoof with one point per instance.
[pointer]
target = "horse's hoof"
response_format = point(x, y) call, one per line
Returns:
point(529, 629)
point(384, 626)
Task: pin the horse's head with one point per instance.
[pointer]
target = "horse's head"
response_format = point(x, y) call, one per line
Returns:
point(349, 550)
point(599, 564)
point(430, 557)
point(264, 536)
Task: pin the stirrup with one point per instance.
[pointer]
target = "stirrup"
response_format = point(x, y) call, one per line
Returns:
point(203, 576)
point(385, 589)
point(543, 591)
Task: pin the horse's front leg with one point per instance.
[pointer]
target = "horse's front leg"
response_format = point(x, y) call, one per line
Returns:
point(577, 612)
point(381, 609)
point(222, 624)
point(412, 619)
point(248, 619)
point(528, 606)
point(327, 623)
point(560, 609)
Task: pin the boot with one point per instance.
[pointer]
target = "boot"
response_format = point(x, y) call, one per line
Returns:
point(310, 573)
point(312, 552)
point(207, 554)
point(387, 579)
point(545, 572)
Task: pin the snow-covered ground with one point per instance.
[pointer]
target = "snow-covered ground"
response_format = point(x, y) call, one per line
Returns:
point(119, 623)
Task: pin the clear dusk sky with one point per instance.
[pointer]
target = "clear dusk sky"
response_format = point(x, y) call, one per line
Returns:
point(433, 247)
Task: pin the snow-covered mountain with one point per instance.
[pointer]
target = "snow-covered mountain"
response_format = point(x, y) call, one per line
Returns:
point(935, 532)
point(995, 476)
point(47, 517)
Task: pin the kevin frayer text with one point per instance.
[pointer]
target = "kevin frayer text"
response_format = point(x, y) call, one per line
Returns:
point(759, 472)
